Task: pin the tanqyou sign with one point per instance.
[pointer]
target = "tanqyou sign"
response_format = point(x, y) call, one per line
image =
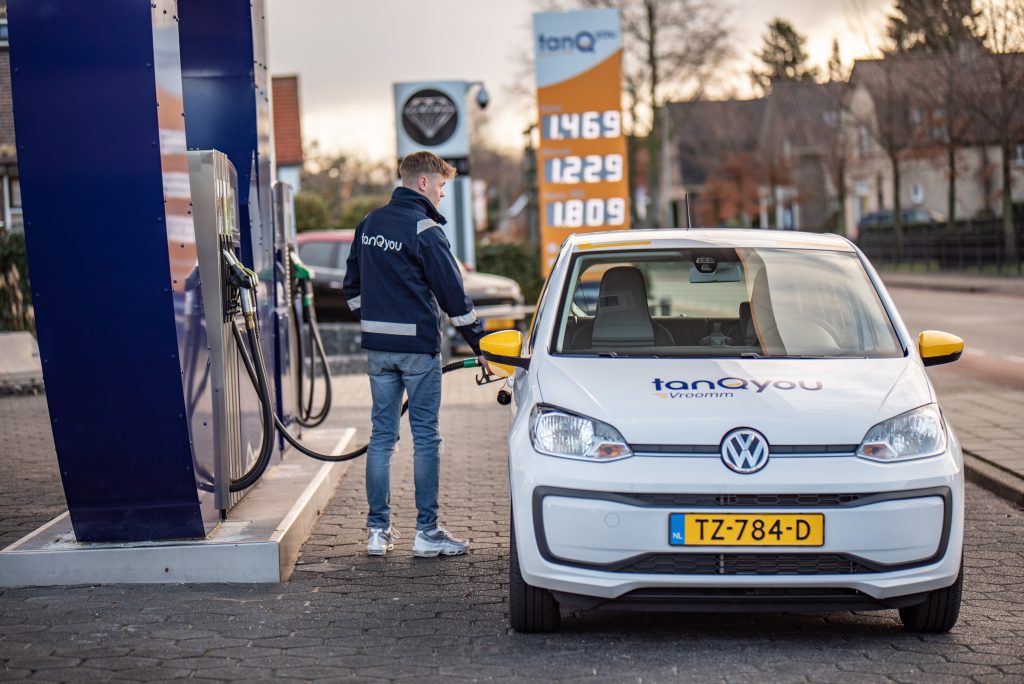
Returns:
point(582, 156)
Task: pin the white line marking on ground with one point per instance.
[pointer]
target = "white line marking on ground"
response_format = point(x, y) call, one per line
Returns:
point(976, 351)
point(1015, 359)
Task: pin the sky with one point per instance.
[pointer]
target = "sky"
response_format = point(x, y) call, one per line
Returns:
point(347, 54)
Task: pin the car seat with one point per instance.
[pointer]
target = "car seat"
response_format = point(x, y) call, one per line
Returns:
point(623, 318)
point(744, 333)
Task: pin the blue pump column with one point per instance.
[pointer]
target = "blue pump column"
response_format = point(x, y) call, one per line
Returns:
point(101, 148)
point(227, 108)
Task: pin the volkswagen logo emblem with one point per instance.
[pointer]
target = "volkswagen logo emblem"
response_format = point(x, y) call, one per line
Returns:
point(744, 451)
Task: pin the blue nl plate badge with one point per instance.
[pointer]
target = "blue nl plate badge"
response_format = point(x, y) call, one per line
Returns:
point(677, 529)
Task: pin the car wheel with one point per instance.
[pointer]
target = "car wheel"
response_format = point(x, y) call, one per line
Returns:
point(530, 609)
point(939, 611)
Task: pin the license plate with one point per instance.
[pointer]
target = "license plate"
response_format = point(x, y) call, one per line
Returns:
point(762, 529)
point(499, 324)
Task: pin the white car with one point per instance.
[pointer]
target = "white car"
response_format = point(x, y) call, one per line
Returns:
point(728, 420)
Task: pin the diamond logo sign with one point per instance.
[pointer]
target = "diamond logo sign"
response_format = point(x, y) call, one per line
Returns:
point(430, 117)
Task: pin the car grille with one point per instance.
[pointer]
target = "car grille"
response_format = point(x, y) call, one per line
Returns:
point(743, 564)
point(739, 500)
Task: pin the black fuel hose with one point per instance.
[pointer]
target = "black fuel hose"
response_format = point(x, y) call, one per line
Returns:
point(260, 383)
point(306, 417)
point(257, 372)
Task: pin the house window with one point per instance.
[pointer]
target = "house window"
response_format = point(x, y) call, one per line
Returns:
point(917, 194)
point(915, 115)
point(4, 36)
point(864, 140)
point(1018, 156)
point(15, 193)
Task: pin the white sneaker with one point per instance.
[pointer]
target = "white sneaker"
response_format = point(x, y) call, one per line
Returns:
point(381, 541)
point(430, 543)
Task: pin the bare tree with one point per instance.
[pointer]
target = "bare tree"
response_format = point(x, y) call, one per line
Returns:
point(998, 98)
point(671, 48)
point(946, 31)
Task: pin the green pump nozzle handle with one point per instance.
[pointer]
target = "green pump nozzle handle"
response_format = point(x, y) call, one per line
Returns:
point(300, 271)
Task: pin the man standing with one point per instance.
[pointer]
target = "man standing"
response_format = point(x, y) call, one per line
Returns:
point(401, 275)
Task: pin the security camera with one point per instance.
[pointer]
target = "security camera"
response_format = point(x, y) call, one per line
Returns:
point(483, 98)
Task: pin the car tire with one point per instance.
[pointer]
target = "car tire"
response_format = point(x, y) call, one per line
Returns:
point(530, 609)
point(939, 611)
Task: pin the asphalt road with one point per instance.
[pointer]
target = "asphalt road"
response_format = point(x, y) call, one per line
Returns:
point(992, 325)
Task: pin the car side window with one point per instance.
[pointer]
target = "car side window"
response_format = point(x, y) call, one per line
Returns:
point(318, 254)
point(344, 248)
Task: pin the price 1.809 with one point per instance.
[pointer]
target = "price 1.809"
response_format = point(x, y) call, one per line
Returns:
point(587, 125)
point(591, 213)
point(593, 168)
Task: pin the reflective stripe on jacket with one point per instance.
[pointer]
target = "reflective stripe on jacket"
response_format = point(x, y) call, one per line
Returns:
point(401, 275)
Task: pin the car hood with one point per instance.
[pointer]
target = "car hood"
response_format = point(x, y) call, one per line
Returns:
point(697, 401)
point(489, 285)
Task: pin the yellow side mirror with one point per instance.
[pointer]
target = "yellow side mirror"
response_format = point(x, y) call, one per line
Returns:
point(939, 347)
point(501, 349)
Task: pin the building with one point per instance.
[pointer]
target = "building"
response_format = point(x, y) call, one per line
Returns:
point(10, 188)
point(819, 156)
point(287, 130)
point(897, 111)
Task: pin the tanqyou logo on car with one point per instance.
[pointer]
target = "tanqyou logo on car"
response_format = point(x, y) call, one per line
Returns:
point(744, 451)
point(725, 388)
point(583, 41)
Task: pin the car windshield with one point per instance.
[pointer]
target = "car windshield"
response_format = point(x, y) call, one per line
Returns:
point(743, 302)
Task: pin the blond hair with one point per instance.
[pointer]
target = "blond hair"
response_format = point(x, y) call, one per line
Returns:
point(421, 163)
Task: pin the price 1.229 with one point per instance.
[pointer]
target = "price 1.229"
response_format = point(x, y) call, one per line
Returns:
point(593, 168)
point(591, 213)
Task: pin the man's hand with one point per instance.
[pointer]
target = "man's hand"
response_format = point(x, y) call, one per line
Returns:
point(484, 365)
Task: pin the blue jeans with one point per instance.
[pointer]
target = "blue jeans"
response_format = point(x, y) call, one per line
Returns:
point(391, 375)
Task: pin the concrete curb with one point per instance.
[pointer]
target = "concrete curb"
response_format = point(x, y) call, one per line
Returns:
point(1001, 482)
point(1010, 286)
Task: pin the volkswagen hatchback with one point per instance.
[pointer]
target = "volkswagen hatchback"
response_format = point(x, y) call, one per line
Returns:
point(728, 420)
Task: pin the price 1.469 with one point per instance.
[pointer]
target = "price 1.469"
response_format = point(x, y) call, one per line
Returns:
point(593, 168)
point(591, 213)
point(587, 125)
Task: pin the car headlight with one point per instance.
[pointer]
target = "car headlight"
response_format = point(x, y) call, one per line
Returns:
point(560, 433)
point(914, 434)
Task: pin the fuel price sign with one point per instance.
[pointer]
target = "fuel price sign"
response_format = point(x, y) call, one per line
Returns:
point(582, 156)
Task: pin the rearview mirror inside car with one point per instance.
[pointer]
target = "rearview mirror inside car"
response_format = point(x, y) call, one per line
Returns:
point(723, 272)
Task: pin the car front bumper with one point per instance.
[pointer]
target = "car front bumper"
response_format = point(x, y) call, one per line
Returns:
point(601, 529)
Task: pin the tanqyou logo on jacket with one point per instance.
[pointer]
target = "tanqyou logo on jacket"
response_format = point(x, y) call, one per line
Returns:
point(380, 242)
point(725, 388)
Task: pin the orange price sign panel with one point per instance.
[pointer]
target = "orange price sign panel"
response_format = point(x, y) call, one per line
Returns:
point(582, 164)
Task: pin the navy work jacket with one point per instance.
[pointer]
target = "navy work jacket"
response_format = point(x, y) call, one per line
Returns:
point(401, 275)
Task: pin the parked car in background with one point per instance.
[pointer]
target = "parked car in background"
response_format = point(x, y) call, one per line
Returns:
point(326, 251)
point(498, 300)
point(887, 217)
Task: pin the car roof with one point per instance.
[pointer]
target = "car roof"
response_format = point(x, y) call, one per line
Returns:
point(325, 236)
point(707, 237)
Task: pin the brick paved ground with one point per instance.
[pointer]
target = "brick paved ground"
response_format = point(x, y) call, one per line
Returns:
point(989, 418)
point(347, 617)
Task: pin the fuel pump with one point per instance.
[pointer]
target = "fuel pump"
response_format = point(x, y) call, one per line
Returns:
point(311, 344)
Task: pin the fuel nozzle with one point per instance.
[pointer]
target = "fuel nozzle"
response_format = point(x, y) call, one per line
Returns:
point(246, 281)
